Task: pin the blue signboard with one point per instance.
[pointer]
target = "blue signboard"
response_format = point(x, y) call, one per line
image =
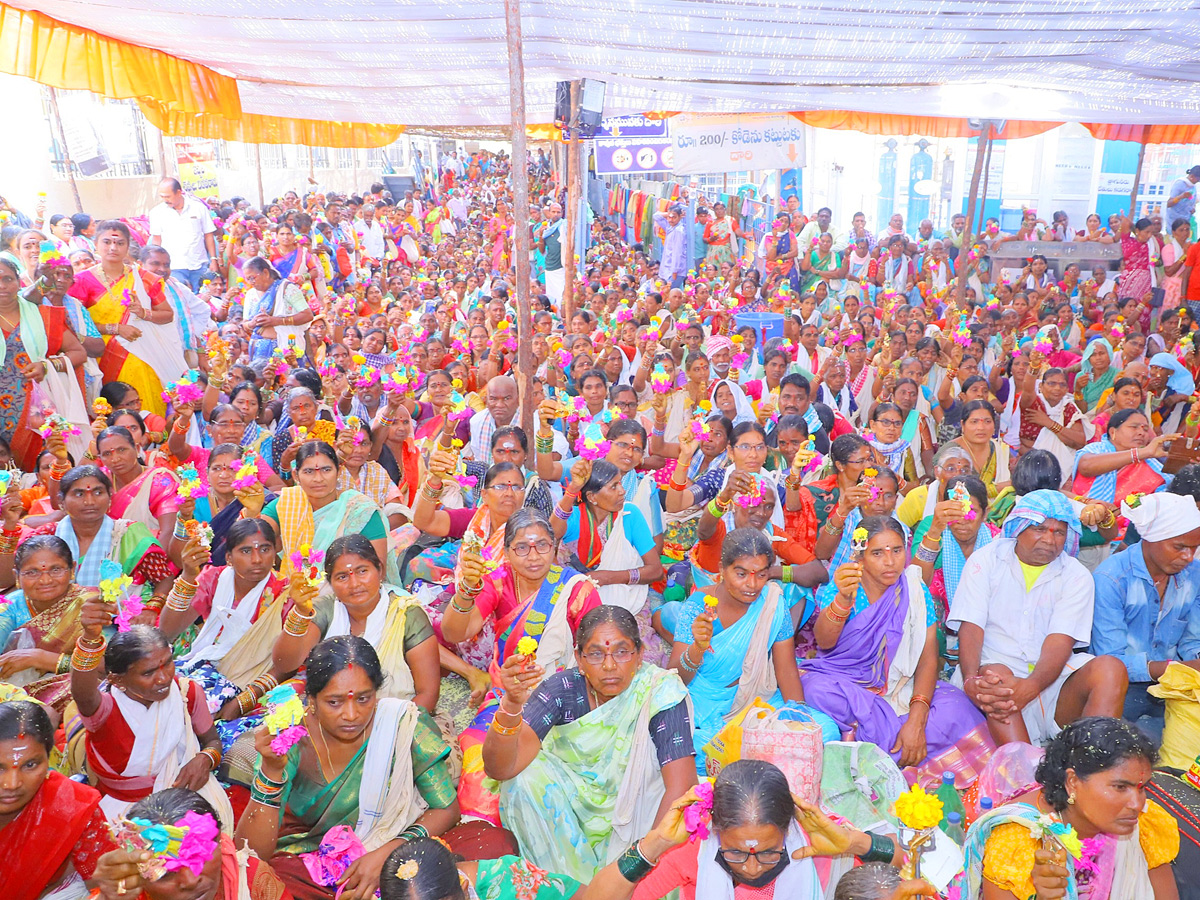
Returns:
point(632, 127)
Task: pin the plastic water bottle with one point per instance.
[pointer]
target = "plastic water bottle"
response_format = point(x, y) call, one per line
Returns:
point(985, 805)
point(954, 828)
point(951, 803)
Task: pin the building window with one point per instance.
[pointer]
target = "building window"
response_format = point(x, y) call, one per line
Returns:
point(345, 158)
point(273, 156)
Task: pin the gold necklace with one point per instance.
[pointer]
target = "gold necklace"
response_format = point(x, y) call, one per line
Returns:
point(109, 282)
point(11, 326)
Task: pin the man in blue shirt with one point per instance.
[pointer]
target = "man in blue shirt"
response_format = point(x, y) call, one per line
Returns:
point(1147, 609)
point(1182, 201)
point(674, 266)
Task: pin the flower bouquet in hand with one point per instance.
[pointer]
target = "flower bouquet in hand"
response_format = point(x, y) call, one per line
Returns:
point(185, 391)
point(919, 813)
point(188, 844)
point(53, 423)
point(115, 589)
point(190, 485)
point(284, 718)
point(306, 562)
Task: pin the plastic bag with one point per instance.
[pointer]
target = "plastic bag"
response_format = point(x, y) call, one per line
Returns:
point(1180, 687)
point(726, 744)
point(795, 747)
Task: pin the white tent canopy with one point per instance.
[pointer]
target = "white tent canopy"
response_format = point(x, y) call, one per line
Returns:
point(440, 62)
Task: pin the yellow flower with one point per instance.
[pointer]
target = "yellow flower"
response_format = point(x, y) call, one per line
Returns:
point(918, 810)
point(870, 473)
point(860, 535)
point(710, 601)
point(527, 646)
point(737, 339)
point(305, 549)
point(358, 359)
point(456, 443)
point(456, 384)
point(705, 405)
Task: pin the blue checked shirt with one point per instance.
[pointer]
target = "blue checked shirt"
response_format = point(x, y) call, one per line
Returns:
point(1128, 622)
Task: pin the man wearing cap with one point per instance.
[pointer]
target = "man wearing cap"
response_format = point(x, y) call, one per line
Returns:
point(1148, 601)
point(1023, 612)
point(1182, 202)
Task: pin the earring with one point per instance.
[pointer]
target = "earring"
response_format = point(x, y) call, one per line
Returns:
point(1071, 799)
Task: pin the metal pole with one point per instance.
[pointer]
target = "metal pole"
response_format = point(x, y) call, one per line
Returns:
point(981, 147)
point(162, 154)
point(520, 183)
point(567, 235)
point(65, 150)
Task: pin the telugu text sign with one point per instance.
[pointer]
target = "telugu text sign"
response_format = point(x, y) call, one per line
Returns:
point(630, 127)
point(736, 143)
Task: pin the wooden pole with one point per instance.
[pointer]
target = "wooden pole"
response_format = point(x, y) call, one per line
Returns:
point(162, 155)
point(521, 235)
point(262, 197)
point(567, 235)
point(1137, 178)
point(62, 134)
point(982, 146)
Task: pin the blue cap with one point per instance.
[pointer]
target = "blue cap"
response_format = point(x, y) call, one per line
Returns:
point(954, 818)
point(947, 778)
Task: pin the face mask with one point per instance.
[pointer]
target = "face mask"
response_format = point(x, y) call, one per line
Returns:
point(763, 879)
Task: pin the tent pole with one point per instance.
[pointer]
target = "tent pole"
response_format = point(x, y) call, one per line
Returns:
point(567, 235)
point(65, 150)
point(521, 235)
point(1137, 178)
point(982, 146)
point(262, 197)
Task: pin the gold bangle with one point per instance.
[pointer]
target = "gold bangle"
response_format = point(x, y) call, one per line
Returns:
point(214, 756)
point(503, 730)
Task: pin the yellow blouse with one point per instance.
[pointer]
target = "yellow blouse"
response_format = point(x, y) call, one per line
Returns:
point(1008, 853)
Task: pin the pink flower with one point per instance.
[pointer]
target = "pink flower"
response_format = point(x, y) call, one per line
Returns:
point(697, 816)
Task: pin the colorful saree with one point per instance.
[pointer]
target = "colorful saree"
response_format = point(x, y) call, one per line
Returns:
point(596, 784)
point(299, 524)
point(129, 543)
point(152, 494)
point(549, 617)
point(154, 359)
point(37, 337)
point(1146, 477)
point(865, 683)
point(55, 630)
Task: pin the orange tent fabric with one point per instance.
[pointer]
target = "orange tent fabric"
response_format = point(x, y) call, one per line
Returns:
point(72, 58)
point(254, 129)
point(932, 126)
point(1145, 134)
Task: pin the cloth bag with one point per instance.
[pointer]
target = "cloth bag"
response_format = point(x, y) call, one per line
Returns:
point(1180, 687)
point(795, 747)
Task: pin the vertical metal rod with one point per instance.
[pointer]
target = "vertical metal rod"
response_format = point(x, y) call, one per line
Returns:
point(62, 134)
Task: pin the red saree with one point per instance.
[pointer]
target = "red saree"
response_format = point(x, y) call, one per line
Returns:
point(62, 822)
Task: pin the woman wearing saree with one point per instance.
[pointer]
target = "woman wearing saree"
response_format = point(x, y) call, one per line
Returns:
point(34, 341)
point(1127, 460)
point(1126, 393)
point(814, 506)
point(221, 506)
point(989, 455)
point(145, 495)
point(1092, 779)
point(129, 305)
point(526, 595)
point(1096, 374)
point(300, 420)
point(93, 537)
point(749, 633)
point(721, 234)
point(242, 607)
point(52, 831)
point(389, 618)
point(1139, 264)
point(373, 765)
point(314, 512)
point(39, 622)
point(695, 458)
point(429, 415)
point(589, 758)
point(822, 263)
point(1172, 379)
point(276, 311)
point(876, 667)
point(145, 729)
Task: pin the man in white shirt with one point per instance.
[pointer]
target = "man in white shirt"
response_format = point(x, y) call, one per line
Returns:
point(183, 226)
point(1023, 611)
point(370, 234)
point(817, 227)
point(503, 402)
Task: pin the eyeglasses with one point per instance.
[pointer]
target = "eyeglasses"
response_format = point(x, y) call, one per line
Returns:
point(523, 550)
point(751, 448)
point(506, 487)
point(861, 461)
point(620, 656)
point(895, 423)
point(737, 857)
point(53, 572)
point(629, 447)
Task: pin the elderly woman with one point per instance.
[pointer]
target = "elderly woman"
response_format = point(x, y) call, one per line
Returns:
point(564, 755)
point(370, 763)
point(300, 421)
point(94, 536)
point(944, 540)
point(241, 605)
point(275, 310)
point(388, 617)
point(145, 728)
point(1091, 779)
point(1128, 459)
point(1170, 378)
point(526, 595)
point(876, 667)
point(52, 831)
point(39, 622)
point(1097, 373)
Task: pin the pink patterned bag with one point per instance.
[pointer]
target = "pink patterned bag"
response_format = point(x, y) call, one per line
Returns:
point(796, 748)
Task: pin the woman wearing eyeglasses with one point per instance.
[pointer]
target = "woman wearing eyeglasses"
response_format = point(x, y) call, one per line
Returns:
point(524, 593)
point(591, 755)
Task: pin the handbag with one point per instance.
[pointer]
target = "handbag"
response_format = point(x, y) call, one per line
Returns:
point(794, 746)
